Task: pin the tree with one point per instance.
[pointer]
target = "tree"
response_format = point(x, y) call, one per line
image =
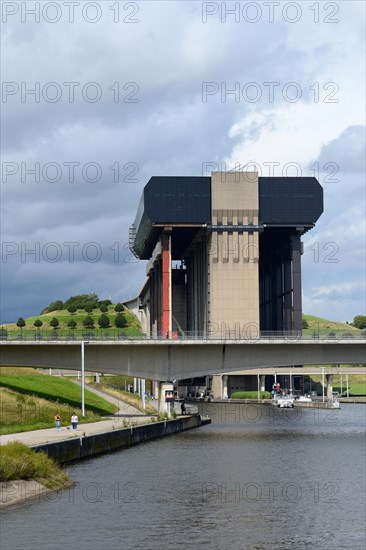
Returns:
point(103, 309)
point(305, 324)
point(54, 306)
point(120, 321)
point(72, 309)
point(359, 321)
point(118, 308)
point(20, 323)
point(72, 324)
point(104, 303)
point(103, 321)
point(89, 308)
point(88, 322)
point(54, 323)
point(82, 300)
point(38, 323)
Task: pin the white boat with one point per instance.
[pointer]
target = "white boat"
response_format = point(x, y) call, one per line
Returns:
point(283, 402)
point(304, 399)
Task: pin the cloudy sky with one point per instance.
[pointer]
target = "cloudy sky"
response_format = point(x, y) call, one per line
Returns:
point(97, 97)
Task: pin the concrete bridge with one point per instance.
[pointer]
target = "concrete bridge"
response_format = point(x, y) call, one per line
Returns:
point(178, 359)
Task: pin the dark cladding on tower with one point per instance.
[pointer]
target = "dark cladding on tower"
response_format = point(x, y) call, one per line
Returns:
point(224, 252)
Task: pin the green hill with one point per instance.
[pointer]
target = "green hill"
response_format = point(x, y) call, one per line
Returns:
point(132, 326)
point(324, 327)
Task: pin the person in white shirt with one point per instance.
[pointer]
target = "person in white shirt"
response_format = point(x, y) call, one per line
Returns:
point(74, 421)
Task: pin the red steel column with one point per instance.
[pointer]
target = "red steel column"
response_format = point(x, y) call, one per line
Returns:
point(166, 287)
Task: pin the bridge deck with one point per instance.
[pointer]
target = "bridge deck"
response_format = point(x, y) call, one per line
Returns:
point(177, 359)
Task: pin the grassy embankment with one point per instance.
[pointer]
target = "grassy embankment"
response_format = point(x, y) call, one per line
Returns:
point(132, 328)
point(356, 384)
point(30, 400)
point(19, 462)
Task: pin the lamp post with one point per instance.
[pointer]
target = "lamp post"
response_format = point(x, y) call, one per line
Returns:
point(291, 391)
point(82, 379)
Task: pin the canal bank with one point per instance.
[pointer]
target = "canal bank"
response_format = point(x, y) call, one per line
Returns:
point(82, 447)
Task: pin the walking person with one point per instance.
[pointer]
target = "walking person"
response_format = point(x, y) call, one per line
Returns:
point(183, 407)
point(74, 421)
point(58, 421)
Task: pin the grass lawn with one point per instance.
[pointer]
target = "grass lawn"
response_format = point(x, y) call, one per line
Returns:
point(55, 389)
point(23, 413)
point(356, 383)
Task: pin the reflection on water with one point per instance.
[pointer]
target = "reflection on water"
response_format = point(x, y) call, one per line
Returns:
point(258, 478)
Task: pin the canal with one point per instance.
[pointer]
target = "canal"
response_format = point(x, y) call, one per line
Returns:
point(257, 478)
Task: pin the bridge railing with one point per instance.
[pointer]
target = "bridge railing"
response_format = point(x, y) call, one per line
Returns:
point(118, 335)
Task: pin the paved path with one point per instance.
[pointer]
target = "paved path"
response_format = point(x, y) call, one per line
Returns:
point(124, 408)
point(127, 414)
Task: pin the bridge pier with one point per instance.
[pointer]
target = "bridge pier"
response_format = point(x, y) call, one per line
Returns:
point(263, 382)
point(224, 386)
point(166, 397)
point(329, 378)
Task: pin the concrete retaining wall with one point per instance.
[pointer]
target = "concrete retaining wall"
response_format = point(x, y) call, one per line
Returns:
point(88, 446)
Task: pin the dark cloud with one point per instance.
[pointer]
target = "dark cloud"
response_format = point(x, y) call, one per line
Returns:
point(170, 130)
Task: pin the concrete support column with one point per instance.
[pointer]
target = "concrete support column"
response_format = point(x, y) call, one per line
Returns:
point(166, 283)
point(329, 378)
point(134, 385)
point(296, 282)
point(143, 393)
point(287, 302)
point(224, 387)
point(263, 382)
point(155, 389)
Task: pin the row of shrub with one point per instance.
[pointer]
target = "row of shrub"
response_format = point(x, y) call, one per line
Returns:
point(250, 395)
point(103, 322)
